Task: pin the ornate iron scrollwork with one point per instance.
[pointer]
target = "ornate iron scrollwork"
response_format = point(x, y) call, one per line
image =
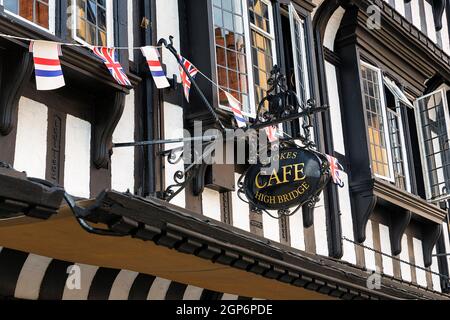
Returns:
point(280, 105)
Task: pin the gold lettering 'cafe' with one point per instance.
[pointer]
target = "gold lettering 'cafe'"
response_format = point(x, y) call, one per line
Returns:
point(224, 231)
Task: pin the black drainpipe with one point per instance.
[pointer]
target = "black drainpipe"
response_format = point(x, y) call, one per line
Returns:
point(149, 163)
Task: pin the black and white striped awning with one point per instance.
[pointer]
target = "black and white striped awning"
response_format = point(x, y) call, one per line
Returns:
point(33, 277)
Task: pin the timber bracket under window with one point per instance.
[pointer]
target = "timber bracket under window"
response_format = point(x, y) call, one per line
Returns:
point(404, 206)
point(16, 68)
point(108, 111)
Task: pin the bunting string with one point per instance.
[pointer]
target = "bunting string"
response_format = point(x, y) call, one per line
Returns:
point(70, 44)
point(109, 56)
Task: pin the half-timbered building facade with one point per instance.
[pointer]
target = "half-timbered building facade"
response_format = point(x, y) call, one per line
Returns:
point(381, 67)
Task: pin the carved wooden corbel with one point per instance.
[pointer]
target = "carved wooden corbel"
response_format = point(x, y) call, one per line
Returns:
point(108, 111)
point(198, 182)
point(431, 233)
point(16, 68)
point(363, 202)
point(399, 221)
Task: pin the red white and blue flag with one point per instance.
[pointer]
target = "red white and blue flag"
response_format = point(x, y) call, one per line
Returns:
point(236, 108)
point(152, 56)
point(335, 170)
point(272, 133)
point(186, 82)
point(47, 67)
point(110, 59)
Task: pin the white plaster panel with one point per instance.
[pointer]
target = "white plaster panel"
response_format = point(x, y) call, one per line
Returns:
point(404, 256)
point(418, 257)
point(241, 213)
point(211, 204)
point(167, 24)
point(173, 128)
point(31, 139)
point(369, 255)
point(332, 28)
point(320, 228)
point(385, 241)
point(122, 160)
point(77, 164)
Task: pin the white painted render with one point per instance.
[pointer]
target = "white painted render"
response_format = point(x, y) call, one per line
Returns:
point(335, 108)
point(168, 26)
point(404, 256)
point(271, 226)
point(445, 34)
point(369, 255)
point(431, 29)
point(31, 138)
point(211, 204)
point(130, 25)
point(346, 221)
point(415, 10)
point(418, 256)
point(400, 6)
point(78, 157)
point(297, 231)
point(173, 128)
point(434, 276)
point(241, 215)
point(320, 228)
point(332, 28)
point(388, 267)
point(122, 159)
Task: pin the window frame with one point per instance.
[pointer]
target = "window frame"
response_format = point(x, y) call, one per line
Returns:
point(295, 17)
point(249, 61)
point(270, 36)
point(51, 17)
point(425, 169)
point(109, 24)
point(391, 178)
point(403, 143)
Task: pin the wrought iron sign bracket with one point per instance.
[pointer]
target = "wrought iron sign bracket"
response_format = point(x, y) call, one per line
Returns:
point(279, 106)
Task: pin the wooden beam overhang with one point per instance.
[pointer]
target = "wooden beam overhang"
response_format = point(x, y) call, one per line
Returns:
point(19, 196)
point(399, 38)
point(403, 206)
point(187, 232)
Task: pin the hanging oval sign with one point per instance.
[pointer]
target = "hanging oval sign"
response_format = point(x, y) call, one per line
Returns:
point(297, 176)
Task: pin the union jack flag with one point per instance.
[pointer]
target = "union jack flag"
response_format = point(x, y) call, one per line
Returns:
point(184, 78)
point(335, 170)
point(111, 60)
